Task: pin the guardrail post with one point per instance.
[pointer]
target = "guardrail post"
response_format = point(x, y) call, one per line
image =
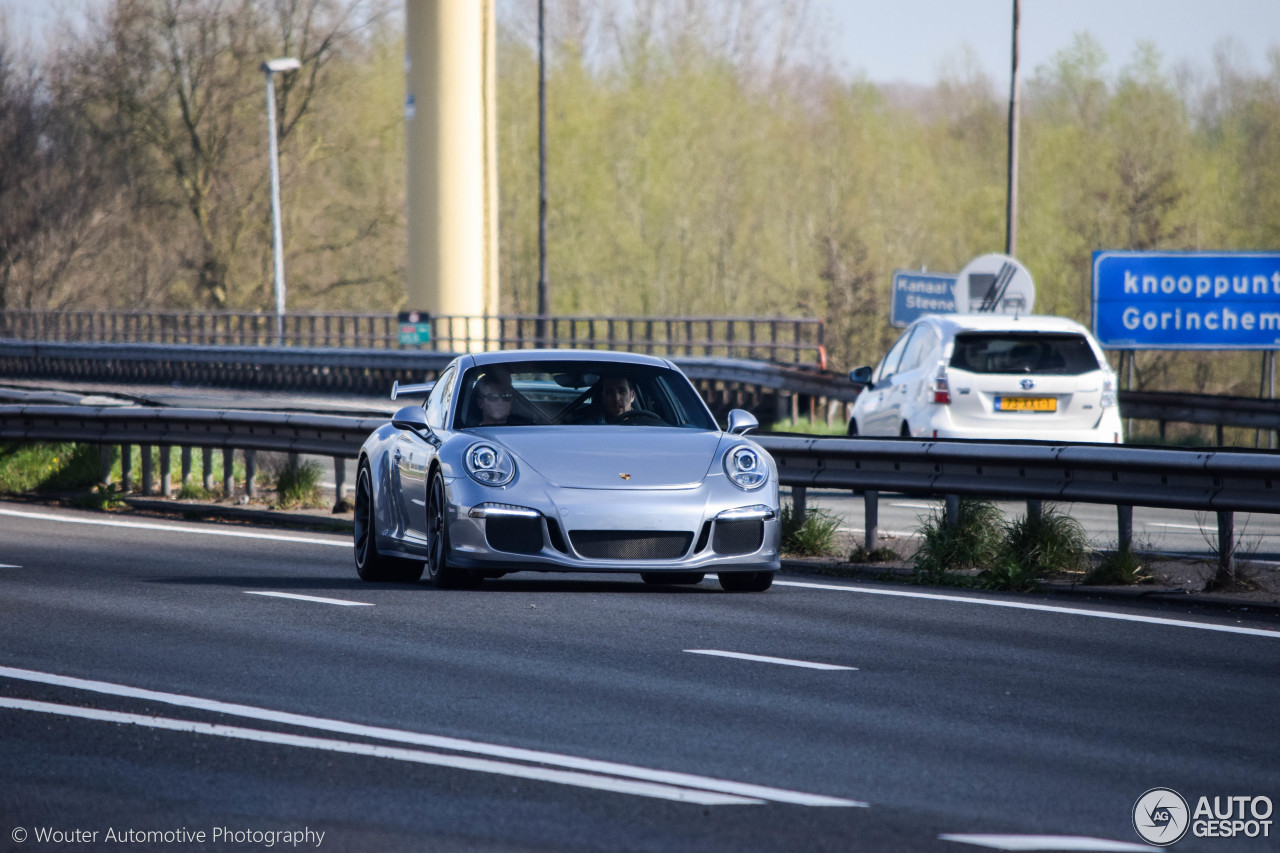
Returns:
point(126, 468)
point(1226, 546)
point(340, 485)
point(1035, 509)
point(251, 473)
point(186, 464)
point(799, 498)
point(166, 471)
point(952, 510)
point(1124, 528)
point(148, 467)
point(206, 468)
point(104, 465)
point(871, 519)
point(228, 472)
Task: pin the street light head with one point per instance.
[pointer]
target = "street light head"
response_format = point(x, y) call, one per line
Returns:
point(283, 63)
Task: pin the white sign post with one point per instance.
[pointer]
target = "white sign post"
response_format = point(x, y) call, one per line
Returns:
point(994, 284)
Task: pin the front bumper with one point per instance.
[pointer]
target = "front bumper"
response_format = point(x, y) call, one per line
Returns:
point(613, 530)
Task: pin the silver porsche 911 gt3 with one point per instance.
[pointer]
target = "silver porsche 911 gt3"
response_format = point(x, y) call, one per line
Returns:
point(565, 461)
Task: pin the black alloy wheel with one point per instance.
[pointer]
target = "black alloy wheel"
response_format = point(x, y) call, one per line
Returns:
point(439, 572)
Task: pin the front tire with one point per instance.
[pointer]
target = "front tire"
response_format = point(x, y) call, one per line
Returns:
point(371, 565)
point(746, 581)
point(439, 572)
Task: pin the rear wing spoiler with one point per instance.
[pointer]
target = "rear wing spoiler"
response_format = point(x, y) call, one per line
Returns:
point(398, 390)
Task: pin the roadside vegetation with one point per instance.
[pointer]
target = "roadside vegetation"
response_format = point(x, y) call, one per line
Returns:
point(689, 173)
point(812, 536)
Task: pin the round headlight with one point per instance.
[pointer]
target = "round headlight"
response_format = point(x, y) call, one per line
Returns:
point(489, 465)
point(745, 468)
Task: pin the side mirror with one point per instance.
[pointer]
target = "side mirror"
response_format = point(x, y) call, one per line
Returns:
point(411, 418)
point(741, 422)
point(861, 376)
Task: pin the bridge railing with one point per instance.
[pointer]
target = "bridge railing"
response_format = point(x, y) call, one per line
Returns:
point(777, 339)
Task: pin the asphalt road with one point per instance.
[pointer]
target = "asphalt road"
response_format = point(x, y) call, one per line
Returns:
point(154, 680)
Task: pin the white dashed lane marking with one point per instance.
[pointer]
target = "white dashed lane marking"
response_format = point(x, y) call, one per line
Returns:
point(315, 598)
point(766, 659)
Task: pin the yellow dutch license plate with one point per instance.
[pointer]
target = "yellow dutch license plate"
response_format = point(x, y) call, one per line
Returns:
point(1027, 404)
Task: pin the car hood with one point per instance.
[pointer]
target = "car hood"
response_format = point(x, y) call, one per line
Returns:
point(613, 457)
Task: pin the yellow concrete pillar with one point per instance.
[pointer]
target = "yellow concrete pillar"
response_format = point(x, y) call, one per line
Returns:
point(451, 141)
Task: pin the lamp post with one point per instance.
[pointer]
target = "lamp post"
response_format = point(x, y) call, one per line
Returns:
point(270, 68)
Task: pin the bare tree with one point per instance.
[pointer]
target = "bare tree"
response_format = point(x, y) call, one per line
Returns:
point(172, 91)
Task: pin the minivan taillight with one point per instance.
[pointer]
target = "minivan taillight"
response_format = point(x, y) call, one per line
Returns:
point(1109, 391)
point(941, 390)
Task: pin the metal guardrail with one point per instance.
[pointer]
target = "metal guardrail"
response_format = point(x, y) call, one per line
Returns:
point(784, 340)
point(367, 371)
point(373, 371)
point(1220, 481)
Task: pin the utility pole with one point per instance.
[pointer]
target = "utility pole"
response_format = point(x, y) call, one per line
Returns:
point(1011, 211)
point(544, 308)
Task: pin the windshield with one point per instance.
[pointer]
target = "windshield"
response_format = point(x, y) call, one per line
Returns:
point(1022, 352)
point(577, 393)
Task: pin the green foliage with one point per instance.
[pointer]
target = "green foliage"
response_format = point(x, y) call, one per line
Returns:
point(808, 426)
point(47, 467)
point(1031, 548)
point(814, 536)
point(883, 554)
point(298, 484)
point(973, 542)
point(689, 173)
point(1121, 567)
point(1012, 556)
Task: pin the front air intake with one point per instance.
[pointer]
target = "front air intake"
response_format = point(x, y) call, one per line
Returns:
point(631, 544)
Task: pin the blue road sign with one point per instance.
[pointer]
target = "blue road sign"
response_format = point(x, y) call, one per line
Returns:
point(1186, 300)
point(918, 293)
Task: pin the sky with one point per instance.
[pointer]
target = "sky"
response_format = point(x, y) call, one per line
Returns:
point(912, 40)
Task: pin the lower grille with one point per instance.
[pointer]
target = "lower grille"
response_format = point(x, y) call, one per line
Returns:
point(514, 534)
point(738, 537)
point(630, 544)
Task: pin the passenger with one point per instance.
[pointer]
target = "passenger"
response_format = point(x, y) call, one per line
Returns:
point(494, 396)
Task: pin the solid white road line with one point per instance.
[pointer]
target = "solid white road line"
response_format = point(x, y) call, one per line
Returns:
point(175, 528)
point(1043, 608)
point(766, 659)
point(1176, 526)
point(314, 598)
point(9, 566)
point(779, 795)
point(1047, 842)
point(460, 762)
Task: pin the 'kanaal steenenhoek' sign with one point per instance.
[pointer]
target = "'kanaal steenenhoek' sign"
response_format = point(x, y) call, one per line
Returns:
point(1187, 300)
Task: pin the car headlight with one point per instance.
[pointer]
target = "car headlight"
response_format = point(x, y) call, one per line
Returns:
point(489, 465)
point(745, 468)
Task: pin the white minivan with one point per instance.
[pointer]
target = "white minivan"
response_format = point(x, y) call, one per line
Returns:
point(994, 376)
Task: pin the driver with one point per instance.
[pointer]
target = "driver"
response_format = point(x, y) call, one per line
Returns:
point(616, 397)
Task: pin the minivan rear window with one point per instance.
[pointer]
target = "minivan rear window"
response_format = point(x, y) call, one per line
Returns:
point(1022, 352)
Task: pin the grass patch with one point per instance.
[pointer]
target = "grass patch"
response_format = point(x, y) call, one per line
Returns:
point(882, 554)
point(48, 467)
point(973, 542)
point(813, 537)
point(1032, 547)
point(298, 484)
point(1121, 568)
point(808, 426)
